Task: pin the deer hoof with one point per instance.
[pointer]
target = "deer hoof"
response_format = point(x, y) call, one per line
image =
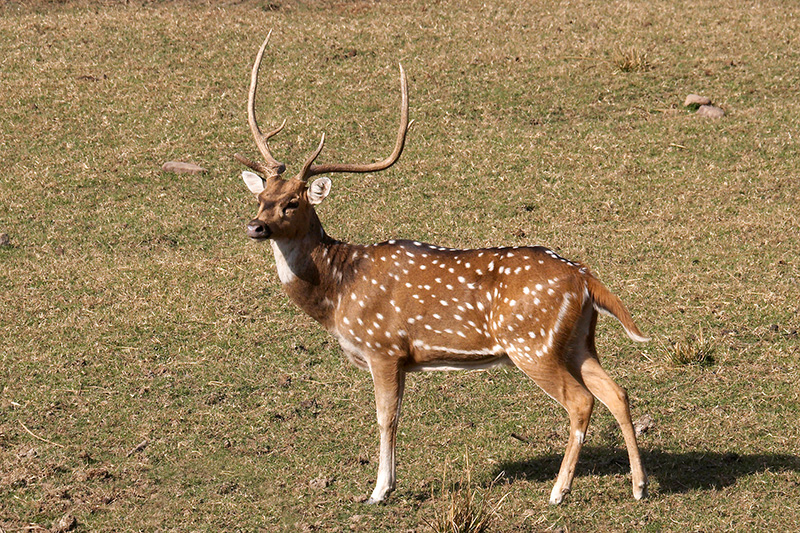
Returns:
point(557, 496)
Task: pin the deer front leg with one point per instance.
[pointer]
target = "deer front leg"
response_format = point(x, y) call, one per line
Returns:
point(389, 380)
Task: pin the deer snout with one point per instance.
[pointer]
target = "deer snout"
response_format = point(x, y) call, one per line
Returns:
point(258, 229)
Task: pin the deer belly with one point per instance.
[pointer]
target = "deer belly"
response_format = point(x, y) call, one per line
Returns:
point(465, 364)
point(420, 349)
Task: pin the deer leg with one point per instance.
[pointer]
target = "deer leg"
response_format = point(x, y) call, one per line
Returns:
point(389, 380)
point(616, 399)
point(562, 386)
point(579, 406)
point(579, 403)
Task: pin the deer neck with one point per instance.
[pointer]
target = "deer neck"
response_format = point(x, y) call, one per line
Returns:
point(307, 267)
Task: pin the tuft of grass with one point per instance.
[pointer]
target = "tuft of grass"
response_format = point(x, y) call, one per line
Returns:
point(695, 350)
point(468, 508)
point(630, 59)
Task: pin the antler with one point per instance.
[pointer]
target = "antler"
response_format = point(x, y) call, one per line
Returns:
point(309, 169)
point(272, 168)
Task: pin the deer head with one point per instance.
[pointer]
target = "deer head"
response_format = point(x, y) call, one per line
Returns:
point(286, 206)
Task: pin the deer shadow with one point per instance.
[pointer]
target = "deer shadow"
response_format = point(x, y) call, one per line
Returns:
point(674, 472)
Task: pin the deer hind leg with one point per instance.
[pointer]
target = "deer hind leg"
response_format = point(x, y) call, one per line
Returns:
point(579, 403)
point(557, 381)
point(389, 381)
point(616, 399)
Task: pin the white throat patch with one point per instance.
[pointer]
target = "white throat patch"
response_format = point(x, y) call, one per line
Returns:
point(286, 256)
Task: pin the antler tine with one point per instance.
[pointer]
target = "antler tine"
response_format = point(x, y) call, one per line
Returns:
point(307, 169)
point(272, 167)
point(310, 170)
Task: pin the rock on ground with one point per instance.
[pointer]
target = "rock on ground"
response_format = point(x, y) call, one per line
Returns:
point(710, 111)
point(179, 167)
point(696, 99)
point(65, 523)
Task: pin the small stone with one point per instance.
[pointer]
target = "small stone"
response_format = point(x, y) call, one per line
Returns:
point(696, 99)
point(643, 424)
point(139, 447)
point(320, 483)
point(30, 452)
point(710, 111)
point(179, 167)
point(228, 487)
point(65, 523)
point(215, 397)
point(5, 240)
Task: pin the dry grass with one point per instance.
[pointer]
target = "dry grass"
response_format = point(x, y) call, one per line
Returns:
point(630, 60)
point(133, 309)
point(467, 507)
point(694, 350)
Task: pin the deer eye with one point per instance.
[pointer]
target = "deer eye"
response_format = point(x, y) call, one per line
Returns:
point(294, 204)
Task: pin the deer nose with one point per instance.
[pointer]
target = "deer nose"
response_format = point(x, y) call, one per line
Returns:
point(258, 229)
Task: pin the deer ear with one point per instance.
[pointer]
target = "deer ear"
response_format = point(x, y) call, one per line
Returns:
point(253, 182)
point(319, 190)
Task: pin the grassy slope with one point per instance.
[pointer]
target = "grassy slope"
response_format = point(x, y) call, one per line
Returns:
point(133, 309)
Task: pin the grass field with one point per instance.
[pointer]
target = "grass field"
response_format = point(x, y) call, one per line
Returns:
point(154, 377)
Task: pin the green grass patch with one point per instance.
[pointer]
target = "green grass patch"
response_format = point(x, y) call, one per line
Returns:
point(134, 310)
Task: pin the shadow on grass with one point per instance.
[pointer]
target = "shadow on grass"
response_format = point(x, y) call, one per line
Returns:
point(675, 472)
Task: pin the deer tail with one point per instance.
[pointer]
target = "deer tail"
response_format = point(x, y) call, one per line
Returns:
point(607, 303)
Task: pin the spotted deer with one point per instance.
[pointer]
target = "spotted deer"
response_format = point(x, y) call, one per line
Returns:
point(404, 306)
